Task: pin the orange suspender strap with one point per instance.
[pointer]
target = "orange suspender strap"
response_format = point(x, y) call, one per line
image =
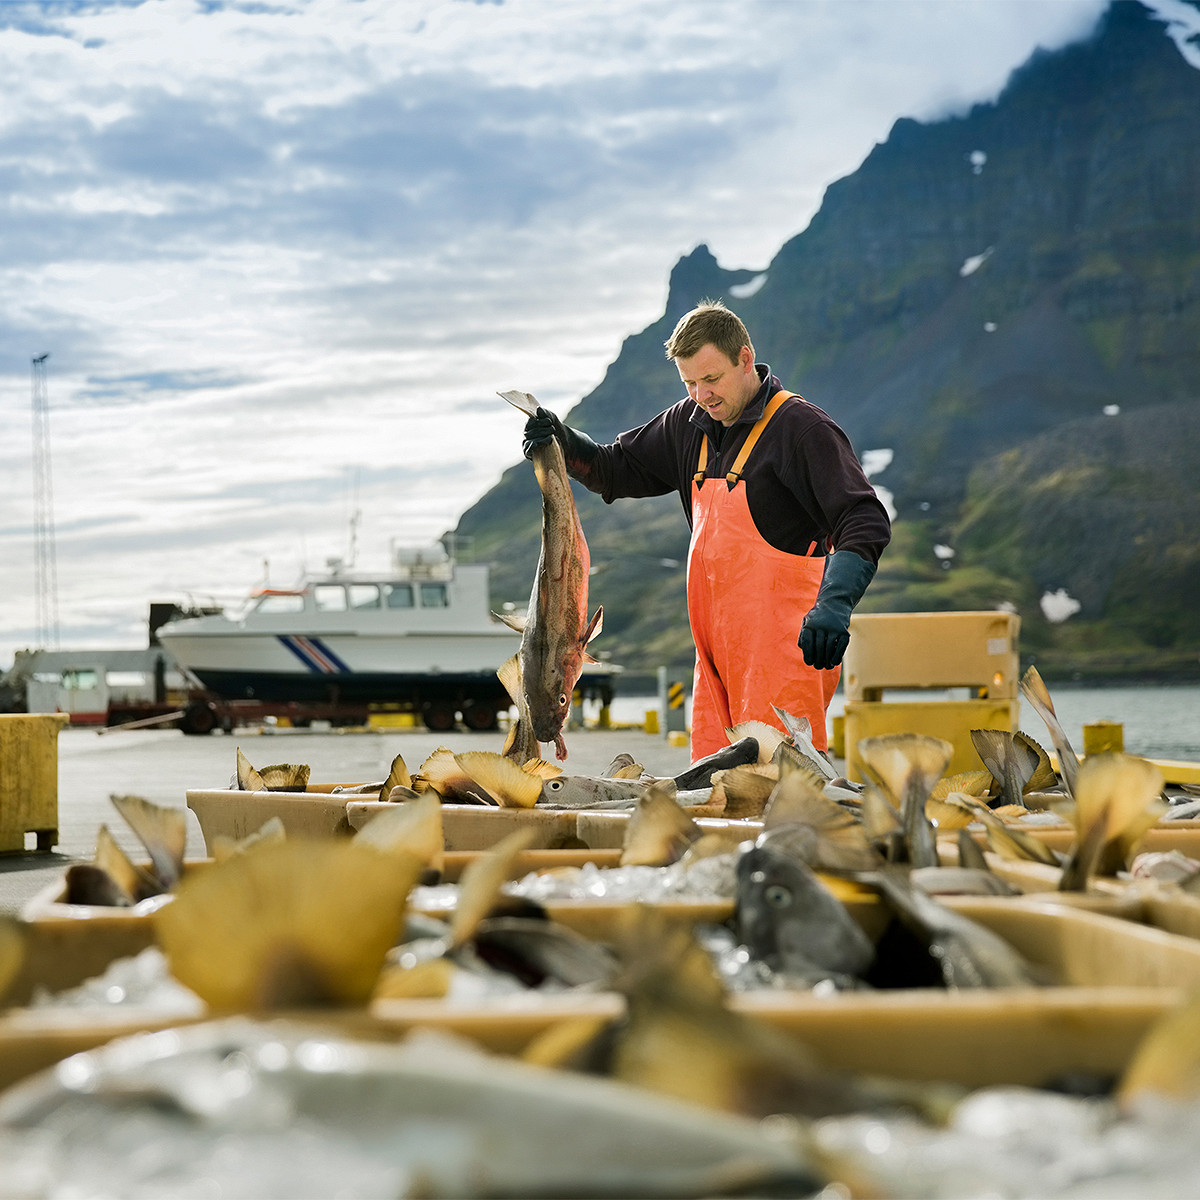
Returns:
point(752, 437)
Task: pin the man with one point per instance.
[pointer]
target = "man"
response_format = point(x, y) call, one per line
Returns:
point(786, 530)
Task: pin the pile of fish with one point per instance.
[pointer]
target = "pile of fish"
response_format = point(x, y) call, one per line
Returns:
point(682, 1081)
point(835, 887)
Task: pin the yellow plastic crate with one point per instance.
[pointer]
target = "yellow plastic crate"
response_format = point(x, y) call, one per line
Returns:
point(932, 650)
point(949, 719)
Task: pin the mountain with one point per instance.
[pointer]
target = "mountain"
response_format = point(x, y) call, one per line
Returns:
point(1009, 302)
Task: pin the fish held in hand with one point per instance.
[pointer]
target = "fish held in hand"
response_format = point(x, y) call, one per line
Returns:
point(555, 630)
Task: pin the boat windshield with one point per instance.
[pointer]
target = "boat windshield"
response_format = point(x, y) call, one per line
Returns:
point(279, 602)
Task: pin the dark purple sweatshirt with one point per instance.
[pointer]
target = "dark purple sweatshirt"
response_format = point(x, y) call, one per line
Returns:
point(803, 482)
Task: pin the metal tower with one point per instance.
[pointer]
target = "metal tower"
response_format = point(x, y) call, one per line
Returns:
point(45, 568)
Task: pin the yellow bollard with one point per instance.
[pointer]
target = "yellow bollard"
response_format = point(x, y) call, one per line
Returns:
point(677, 737)
point(604, 720)
point(837, 739)
point(1103, 737)
point(652, 720)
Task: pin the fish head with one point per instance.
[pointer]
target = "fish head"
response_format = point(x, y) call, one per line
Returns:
point(772, 890)
point(550, 706)
point(788, 919)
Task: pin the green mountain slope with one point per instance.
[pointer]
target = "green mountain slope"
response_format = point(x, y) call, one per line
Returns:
point(975, 298)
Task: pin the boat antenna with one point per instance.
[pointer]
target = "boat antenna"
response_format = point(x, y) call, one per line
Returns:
point(355, 517)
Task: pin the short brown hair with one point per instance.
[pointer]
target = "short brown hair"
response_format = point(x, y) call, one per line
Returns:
point(709, 323)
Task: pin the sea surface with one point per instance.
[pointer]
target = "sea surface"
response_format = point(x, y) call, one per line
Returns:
point(1159, 721)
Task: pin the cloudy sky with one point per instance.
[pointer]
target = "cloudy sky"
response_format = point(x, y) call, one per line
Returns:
point(283, 253)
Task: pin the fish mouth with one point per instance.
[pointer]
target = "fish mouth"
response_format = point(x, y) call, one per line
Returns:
point(547, 730)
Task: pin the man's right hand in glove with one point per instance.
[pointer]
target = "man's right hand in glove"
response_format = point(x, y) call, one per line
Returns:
point(539, 429)
point(578, 449)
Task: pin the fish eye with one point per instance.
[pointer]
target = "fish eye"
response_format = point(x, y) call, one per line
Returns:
point(553, 785)
point(777, 896)
point(562, 700)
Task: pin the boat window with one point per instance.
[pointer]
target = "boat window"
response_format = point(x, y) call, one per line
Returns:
point(281, 604)
point(433, 595)
point(399, 595)
point(81, 679)
point(330, 597)
point(364, 595)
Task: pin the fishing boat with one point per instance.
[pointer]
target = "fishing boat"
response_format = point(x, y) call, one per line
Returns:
point(419, 636)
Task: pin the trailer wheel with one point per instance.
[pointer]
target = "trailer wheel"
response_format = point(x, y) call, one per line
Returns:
point(480, 716)
point(439, 716)
point(198, 718)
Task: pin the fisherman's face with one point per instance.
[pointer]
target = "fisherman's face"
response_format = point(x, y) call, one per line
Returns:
point(720, 387)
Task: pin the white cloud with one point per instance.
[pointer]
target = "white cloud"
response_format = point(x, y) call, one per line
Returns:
point(270, 247)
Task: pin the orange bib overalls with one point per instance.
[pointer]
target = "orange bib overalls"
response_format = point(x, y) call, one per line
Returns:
point(746, 601)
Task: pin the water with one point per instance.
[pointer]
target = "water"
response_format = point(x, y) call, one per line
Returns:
point(1160, 721)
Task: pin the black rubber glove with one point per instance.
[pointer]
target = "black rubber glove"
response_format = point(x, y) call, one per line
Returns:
point(825, 631)
point(539, 429)
point(578, 449)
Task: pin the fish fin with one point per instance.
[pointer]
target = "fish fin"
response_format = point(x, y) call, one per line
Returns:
point(501, 778)
point(767, 736)
point(285, 777)
point(541, 768)
point(880, 815)
point(412, 827)
point(481, 884)
point(973, 783)
point(1117, 798)
point(1167, 1060)
point(398, 776)
point(908, 765)
point(789, 757)
point(658, 831)
point(515, 621)
point(442, 772)
point(743, 791)
point(632, 771)
point(509, 674)
point(800, 731)
point(161, 829)
point(838, 839)
point(522, 400)
point(1043, 776)
point(1036, 692)
point(801, 726)
point(135, 882)
point(248, 779)
point(970, 854)
point(1017, 845)
point(619, 763)
point(595, 625)
point(947, 816)
point(304, 922)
